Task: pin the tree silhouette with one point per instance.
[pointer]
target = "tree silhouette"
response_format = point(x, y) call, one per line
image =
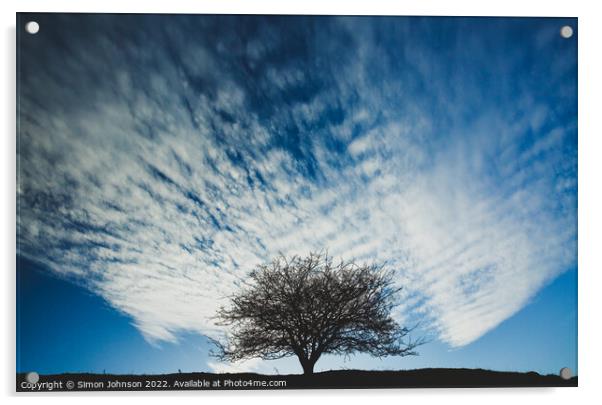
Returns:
point(310, 306)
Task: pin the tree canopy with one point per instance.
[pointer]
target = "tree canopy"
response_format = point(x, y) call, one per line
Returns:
point(310, 306)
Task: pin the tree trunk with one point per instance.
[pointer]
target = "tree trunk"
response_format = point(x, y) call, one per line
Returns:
point(308, 366)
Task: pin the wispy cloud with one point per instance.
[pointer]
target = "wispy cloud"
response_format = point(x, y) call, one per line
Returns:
point(161, 160)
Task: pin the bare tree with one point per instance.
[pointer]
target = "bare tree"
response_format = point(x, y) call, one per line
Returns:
point(310, 306)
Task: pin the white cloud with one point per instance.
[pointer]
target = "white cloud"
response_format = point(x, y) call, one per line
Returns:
point(238, 367)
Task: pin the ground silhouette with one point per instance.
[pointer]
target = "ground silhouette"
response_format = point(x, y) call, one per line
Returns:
point(420, 378)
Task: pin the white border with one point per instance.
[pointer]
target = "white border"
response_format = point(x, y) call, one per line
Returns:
point(590, 186)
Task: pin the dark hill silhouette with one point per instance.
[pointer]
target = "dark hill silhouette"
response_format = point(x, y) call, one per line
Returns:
point(420, 378)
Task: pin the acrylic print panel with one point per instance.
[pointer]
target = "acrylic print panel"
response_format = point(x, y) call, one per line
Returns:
point(282, 202)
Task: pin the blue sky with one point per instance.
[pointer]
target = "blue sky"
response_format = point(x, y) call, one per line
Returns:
point(161, 158)
point(76, 331)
